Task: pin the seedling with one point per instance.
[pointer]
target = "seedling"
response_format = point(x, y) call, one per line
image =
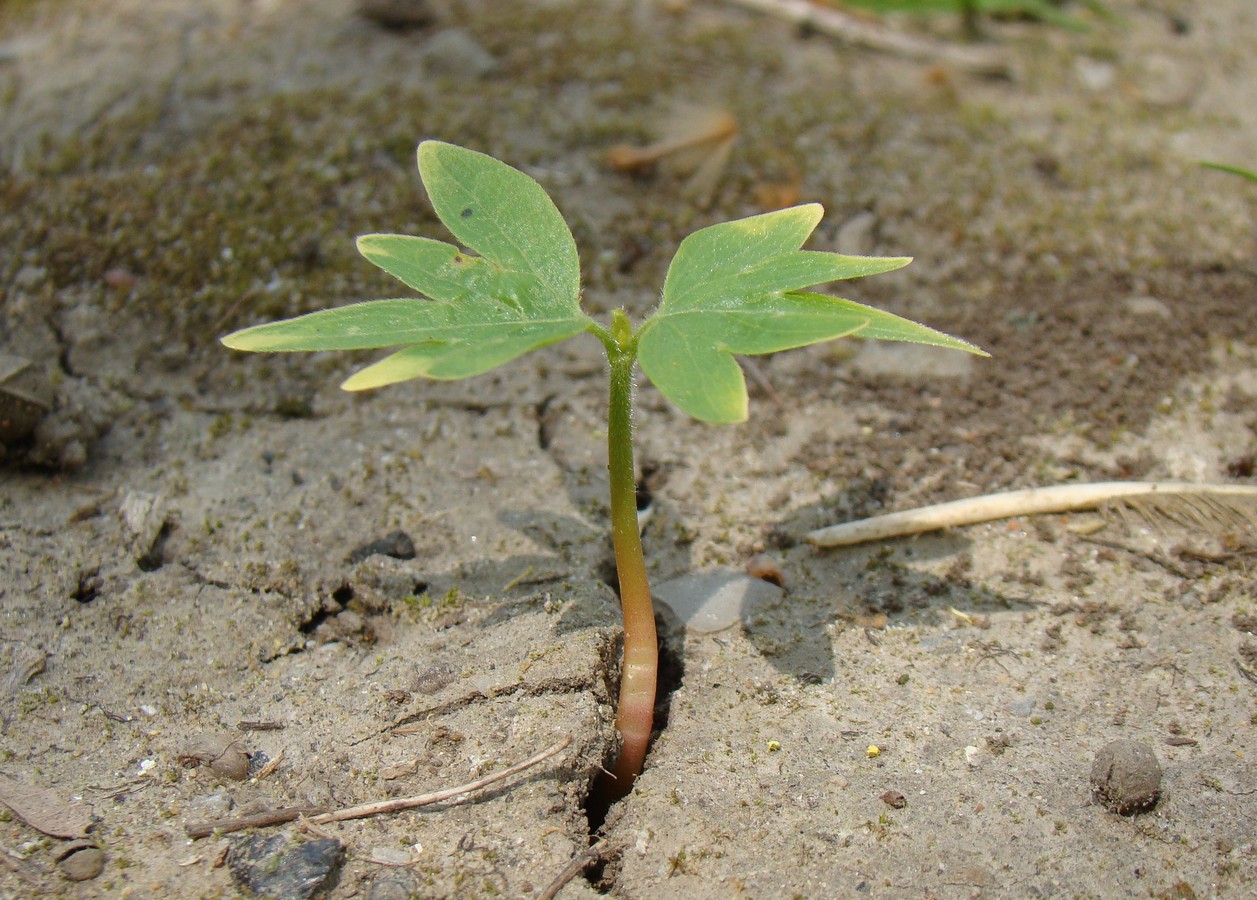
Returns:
point(1233, 170)
point(733, 288)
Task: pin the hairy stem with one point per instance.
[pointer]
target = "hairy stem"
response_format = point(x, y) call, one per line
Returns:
point(641, 647)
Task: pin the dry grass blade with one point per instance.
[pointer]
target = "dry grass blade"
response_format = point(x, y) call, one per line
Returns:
point(1219, 507)
point(1217, 512)
point(855, 30)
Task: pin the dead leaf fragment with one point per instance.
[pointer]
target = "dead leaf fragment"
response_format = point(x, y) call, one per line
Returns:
point(26, 662)
point(45, 810)
point(697, 143)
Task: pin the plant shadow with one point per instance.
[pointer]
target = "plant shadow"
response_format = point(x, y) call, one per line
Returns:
point(871, 586)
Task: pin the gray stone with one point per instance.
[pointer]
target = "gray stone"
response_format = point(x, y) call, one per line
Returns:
point(1021, 708)
point(454, 52)
point(274, 866)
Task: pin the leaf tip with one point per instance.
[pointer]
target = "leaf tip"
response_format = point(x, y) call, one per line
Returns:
point(430, 146)
point(367, 244)
point(809, 212)
point(354, 384)
point(237, 340)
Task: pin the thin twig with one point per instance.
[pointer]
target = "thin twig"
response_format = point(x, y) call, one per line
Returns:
point(846, 27)
point(383, 807)
point(579, 863)
point(320, 816)
point(309, 827)
point(1030, 502)
point(256, 820)
point(269, 769)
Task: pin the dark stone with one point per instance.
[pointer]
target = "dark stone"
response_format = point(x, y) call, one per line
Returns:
point(397, 545)
point(1126, 777)
point(397, 15)
point(275, 867)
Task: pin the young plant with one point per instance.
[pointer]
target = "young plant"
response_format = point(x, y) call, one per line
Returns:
point(733, 288)
point(1233, 170)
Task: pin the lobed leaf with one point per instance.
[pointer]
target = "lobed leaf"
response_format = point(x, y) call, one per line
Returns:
point(505, 216)
point(521, 292)
point(735, 288)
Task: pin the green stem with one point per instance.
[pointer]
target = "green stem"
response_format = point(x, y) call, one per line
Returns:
point(969, 22)
point(635, 717)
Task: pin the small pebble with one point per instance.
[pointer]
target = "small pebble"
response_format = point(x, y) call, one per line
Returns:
point(29, 276)
point(1095, 75)
point(894, 799)
point(453, 52)
point(1021, 708)
point(398, 545)
point(145, 519)
point(257, 762)
point(765, 568)
point(214, 805)
point(1126, 777)
point(80, 860)
point(1143, 305)
point(120, 279)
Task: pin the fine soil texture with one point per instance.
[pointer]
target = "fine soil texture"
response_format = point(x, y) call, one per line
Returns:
point(228, 587)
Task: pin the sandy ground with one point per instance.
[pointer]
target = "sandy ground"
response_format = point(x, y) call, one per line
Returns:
point(913, 718)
